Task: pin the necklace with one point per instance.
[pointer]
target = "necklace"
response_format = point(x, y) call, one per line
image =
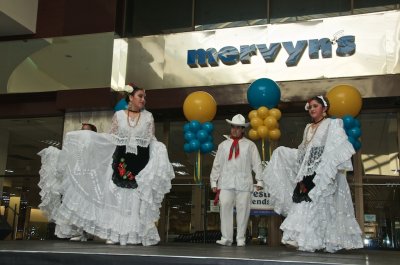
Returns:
point(323, 118)
point(129, 123)
point(314, 127)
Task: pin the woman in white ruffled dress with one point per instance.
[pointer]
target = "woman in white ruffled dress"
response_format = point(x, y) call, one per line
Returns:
point(308, 186)
point(112, 185)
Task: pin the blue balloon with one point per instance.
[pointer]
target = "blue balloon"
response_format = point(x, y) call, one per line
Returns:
point(208, 127)
point(194, 126)
point(354, 132)
point(348, 122)
point(121, 105)
point(206, 147)
point(186, 127)
point(187, 148)
point(210, 139)
point(351, 140)
point(357, 145)
point(357, 123)
point(189, 136)
point(194, 145)
point(263, 92)
point(202, 136)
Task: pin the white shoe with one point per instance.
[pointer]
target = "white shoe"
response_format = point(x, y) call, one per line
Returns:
point(81, 238)
point(224, 242)
point(241, 243)
point(291, 243)
point(110, 242)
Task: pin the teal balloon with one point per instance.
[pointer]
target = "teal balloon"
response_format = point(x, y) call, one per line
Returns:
point(194, 145)
point(354, 132)
point(208, 127)
point(206, 147)
point(263, 92)
point(357, 123)
point(357, 145)
point(348, 122)
point(194, 126)
point(351, 140)
point(189, 136)
point(186, 148)
point(186, 127)
point(121, 105)
point(202, 136)
point(210, 138)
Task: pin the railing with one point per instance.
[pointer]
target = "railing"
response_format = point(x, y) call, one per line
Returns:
point(7, 209)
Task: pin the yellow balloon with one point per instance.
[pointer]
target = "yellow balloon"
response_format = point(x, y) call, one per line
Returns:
point(252, 114)
point(199, 106)
point(262, 112)
point(274, 134)
point(255, 122)
point(262, 131)
point(344, 100)
point(275, 113)
point(270, 122)
point(253, 135)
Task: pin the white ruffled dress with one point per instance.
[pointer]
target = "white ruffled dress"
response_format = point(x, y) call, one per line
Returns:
point(78, 192)
point(327, 222)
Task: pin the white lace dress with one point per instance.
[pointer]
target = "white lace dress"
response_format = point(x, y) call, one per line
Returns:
point(328, 221)
point(81, 172)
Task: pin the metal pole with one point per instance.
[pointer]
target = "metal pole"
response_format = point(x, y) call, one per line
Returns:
point(14, 225)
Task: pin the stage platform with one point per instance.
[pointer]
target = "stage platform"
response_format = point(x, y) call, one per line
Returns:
point(96, 252)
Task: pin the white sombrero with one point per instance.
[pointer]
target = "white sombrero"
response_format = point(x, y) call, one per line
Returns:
point(238, 120)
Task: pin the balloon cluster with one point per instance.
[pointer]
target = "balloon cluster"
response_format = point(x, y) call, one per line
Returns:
point(198, 137)
point(199, 108)
point(352, 127)
point(346, 102)
point(263, 96)
point(121, 105)
point(264, 124)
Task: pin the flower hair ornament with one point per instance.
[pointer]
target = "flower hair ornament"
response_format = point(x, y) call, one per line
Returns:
point(320, 97)
point(128, 88)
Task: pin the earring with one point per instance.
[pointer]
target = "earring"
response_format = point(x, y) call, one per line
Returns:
point(324, 114)
point(130, 105)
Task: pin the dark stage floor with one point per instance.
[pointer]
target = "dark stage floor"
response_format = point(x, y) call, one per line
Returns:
point(96, 252)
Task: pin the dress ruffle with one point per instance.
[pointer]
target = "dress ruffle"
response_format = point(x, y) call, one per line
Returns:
point(279, 179)
point(50, 182)
point(327, 222)
point(92, 202)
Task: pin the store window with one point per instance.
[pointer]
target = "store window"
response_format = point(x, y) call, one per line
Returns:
point(227, 14)
point(381, 179)
point(292, 11)
point(20, 141)
point(368, 6)
point(152, 17)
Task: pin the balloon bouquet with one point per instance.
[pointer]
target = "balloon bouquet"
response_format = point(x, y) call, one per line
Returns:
point(199, 108)
point(263, 96)
point(346, 102)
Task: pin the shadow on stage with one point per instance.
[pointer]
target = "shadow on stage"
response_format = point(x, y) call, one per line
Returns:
point(60, 252)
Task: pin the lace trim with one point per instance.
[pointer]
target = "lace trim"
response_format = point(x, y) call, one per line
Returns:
point(107, 221)
point(131, 143)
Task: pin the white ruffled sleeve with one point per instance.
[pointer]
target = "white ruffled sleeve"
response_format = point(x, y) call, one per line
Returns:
point(114, 125)
point(337, 156)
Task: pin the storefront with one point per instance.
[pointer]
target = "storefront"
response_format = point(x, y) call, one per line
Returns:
point(306, 59)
